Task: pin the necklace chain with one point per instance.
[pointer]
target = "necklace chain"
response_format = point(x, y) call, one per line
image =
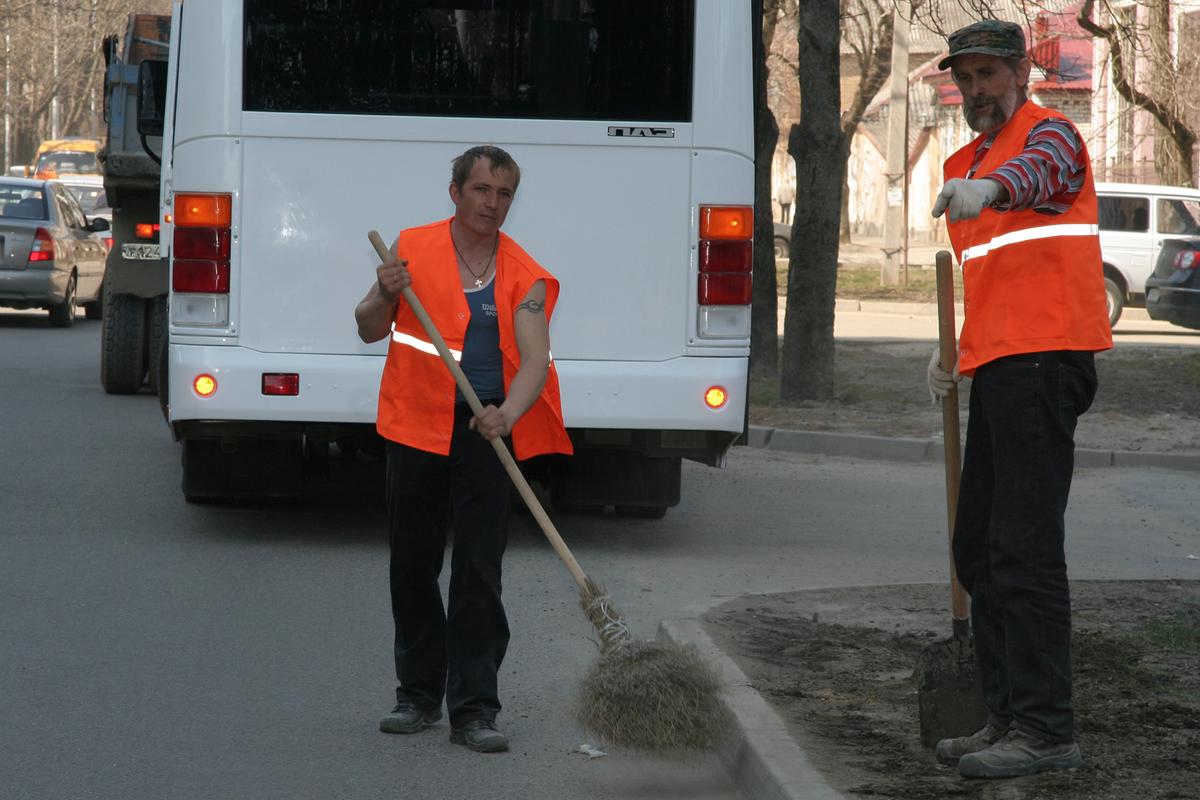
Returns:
point(478, 278)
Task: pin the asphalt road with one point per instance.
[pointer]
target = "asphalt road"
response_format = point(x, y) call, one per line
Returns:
point(150, 649)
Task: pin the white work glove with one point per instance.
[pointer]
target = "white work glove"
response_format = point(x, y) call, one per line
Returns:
point(940, 380)
point(966, 198)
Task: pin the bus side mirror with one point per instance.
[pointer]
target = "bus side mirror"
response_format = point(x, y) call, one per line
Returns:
point(152, 97)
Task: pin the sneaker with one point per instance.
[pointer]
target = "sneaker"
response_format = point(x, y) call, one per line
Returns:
point(408, 717)
point(1019, 753)
point(949, 751)
point(481, 736)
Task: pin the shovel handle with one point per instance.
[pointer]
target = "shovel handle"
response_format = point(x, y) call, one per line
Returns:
point(948, 348)
point(510, 466)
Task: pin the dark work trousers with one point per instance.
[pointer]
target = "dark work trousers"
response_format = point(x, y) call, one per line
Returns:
point(455, 654)
point(1009, 532)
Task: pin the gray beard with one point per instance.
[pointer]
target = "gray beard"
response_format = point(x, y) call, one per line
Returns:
point(1002, 110)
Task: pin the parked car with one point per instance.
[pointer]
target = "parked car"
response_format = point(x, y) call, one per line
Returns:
point(1136, 221)
point(50, 256)
point(783, 239)
point(1173, 290)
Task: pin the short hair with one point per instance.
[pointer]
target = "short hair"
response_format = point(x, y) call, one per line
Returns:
point(461, 167)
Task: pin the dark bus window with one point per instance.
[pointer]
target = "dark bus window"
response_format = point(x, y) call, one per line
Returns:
point(622, 60)
point(1126, 214)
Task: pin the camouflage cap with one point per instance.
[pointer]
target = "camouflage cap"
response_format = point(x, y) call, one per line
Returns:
point(991, 37)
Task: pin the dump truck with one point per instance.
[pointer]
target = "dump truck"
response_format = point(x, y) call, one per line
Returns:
point(134, 299)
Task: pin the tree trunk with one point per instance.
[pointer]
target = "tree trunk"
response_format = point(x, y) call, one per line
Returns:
point(764, 319)
point(820, 150)
point(1166, 113)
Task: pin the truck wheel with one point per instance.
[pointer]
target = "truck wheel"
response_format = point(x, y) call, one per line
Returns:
point(63, 314)
point(156, 333)
point(122, 343)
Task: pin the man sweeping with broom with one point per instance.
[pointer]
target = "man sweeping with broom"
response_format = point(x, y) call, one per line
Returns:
point(492, 303)
point(1022, 217)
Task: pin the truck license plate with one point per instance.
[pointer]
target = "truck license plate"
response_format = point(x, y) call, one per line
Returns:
point(140, 252)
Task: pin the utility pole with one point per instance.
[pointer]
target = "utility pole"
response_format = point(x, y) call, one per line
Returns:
point(54, 67)
point(894, 222)
point(7, 85)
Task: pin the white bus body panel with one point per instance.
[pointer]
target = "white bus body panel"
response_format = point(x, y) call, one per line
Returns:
point(615, 219)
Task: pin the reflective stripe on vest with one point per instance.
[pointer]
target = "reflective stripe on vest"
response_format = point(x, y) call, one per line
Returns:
point(421, 344)
point(1028, 235)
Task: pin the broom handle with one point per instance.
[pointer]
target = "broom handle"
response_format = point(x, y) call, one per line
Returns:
point(947, 333)
point(506, 458)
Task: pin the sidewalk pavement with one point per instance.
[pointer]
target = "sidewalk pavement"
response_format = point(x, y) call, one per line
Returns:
point(761, 756)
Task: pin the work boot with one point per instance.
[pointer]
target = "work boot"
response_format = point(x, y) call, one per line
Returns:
point(408, 717)
point(1018, 753)
point(949, 751)
point(481, 736)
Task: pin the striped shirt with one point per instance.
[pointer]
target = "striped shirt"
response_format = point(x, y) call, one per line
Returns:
point(1048, 174)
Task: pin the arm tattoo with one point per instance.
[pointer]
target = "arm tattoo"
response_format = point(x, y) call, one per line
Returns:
point(532, 306)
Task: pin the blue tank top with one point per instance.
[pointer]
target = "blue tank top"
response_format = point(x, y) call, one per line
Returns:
point(481, 361)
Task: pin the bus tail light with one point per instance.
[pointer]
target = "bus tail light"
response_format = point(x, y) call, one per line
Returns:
point(716, 397)
point(204, 385)
point(193, 275)
point(200, 253)
point(282, 384)
point(726, 267)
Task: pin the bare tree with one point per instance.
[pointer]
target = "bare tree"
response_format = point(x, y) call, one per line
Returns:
point(764, 317)
point(867, 32)
point(1169, 100)
point(820, 148)
point(31, 86)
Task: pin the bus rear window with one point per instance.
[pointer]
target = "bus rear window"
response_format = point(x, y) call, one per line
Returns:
point(627, 60)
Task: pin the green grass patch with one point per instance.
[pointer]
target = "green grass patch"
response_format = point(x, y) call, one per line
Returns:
point(919, 285)
point(1173, 636)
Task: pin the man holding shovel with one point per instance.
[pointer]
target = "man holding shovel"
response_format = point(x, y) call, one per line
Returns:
point(1022, 217)
point(491, 302)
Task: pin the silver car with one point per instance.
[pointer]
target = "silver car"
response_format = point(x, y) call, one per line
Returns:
point(50, 256)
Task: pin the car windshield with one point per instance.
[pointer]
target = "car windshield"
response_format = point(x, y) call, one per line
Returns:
point(22, 202)
point(90, 197)
point(65, 162)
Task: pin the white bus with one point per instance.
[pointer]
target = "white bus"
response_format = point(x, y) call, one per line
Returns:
point(292, 127)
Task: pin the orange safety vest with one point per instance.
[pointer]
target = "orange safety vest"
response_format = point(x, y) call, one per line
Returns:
point(416, 394)
point(1031, 282)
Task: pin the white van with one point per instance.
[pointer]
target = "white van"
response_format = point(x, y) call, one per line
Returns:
point(293, 129)
point(1135, 220)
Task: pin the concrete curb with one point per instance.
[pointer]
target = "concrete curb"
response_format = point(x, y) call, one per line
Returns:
point(760, 754)
point(886, 448)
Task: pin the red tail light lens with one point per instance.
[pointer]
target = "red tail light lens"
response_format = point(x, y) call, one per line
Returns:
point(727, 256)
point(724, 289)
point(284, 384)
point(146, 230)
point(206, 276)
point(1187, 259)
point(201, 243)
point(43, 246)
point(204, 243)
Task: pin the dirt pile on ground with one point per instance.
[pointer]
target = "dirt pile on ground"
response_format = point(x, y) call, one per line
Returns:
point(837, 664)
point(1149, 397)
